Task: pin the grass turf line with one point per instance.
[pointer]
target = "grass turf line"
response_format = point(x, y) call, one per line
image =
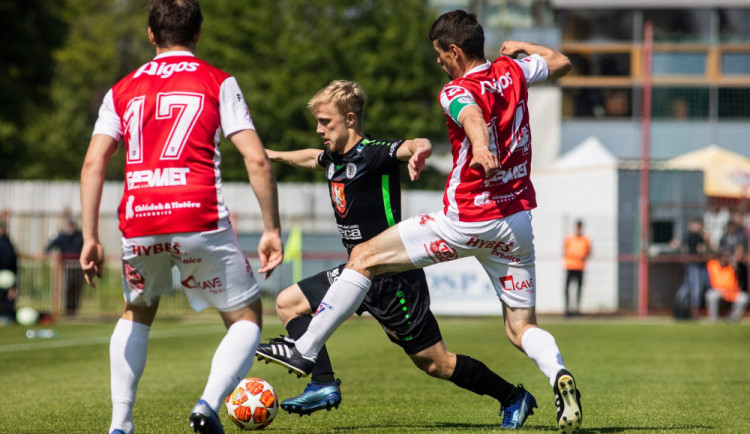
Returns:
point(635, 378)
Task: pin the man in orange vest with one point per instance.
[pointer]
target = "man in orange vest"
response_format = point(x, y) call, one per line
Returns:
point(724, 286)
point(576, 250)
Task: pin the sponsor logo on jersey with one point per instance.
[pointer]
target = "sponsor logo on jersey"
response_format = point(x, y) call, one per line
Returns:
point(452, 91)
point(165, 70)
point(482, 199)
point(213, 285)
point(424, 218)
point(166, 177)
point(440, 251)
point(155, 249)
point(505, 176)
point(351, 170)
point(331, 170)
point(350, 232)
point(496, 85)
point(392, 149)
point(338, 198)
point(156, 209)
point(129, 213)
point(510, 284)
point(133, 277)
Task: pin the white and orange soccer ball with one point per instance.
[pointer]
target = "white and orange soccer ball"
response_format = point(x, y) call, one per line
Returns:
point(253, 404)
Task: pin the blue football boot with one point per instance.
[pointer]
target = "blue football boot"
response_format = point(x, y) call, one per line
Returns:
point(316, 396)
point(515, 414)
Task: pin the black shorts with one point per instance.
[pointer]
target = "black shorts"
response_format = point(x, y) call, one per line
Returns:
point(399, 301)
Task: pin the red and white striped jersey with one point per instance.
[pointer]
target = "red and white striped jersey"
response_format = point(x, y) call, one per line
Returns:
point(170, 113)
point(499, 89)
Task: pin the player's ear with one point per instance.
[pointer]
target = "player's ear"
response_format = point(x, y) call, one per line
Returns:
point(351, 120)
point(151, 36)
point(455, 50)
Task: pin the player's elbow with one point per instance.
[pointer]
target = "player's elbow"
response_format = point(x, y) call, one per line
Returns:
point(91, 168)
point(257, 163)
point(560, 66)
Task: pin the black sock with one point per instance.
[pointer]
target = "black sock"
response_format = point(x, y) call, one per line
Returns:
point(323, 371)
point(473, 375)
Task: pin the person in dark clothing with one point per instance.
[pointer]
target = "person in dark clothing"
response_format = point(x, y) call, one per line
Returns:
point(69, 243)
point(689, 296)
point(8, 264)
point(734, 241)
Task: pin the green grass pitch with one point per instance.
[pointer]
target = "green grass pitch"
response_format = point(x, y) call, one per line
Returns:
point(635, 377)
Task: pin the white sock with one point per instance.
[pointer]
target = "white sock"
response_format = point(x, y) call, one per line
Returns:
point(127, 360)
point(541, 347)
point(232, 359)
point(340, 302)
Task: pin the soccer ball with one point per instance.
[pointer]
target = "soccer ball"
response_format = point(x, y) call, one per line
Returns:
point(253, 404)
point(27, 316)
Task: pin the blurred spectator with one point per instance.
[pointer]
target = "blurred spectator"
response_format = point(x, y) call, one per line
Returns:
point(8, 284)
point(695, 244)
point(679, 109)
point(724, 286)
point(69, 243)
point(617, 104)
point(576, 251)
point(734, 243)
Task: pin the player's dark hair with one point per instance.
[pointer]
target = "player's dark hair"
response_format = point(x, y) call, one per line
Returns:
point(174, 22)
point(461, 29)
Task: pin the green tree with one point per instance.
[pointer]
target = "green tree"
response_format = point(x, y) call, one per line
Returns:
point(281, 52)
point(26, 59)
point(105, 41)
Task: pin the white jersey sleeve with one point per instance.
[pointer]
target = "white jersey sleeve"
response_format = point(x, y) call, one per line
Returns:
point(108, 122)
point(534, 69)
point(235, 115)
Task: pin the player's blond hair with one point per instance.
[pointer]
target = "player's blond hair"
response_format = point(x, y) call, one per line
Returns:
point(347, 96)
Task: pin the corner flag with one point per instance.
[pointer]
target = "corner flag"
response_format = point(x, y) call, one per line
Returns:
point(293, 252)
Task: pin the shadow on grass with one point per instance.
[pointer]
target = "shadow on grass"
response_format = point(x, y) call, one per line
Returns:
point(451, 427)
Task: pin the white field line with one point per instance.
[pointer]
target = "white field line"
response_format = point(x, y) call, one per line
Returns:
point(44, 344)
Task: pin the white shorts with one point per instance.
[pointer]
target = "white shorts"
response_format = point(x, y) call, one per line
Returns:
point(504, 247)
point(212, 267)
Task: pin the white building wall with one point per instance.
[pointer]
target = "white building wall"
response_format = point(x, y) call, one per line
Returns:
point(35, 209)
point(564, 196)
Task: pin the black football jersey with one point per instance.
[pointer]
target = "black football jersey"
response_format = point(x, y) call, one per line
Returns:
point(365, 188)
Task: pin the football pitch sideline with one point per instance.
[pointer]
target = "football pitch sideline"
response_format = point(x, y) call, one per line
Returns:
point(635, 377)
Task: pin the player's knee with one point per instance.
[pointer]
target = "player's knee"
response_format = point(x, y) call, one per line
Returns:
point(358, 259)
point(515, 336)
point(434, 366)
point(291, 303)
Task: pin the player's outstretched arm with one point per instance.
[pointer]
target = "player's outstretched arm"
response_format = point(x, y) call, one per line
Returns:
point(479, 135)
point(416, 151)
point(301, 159)
point(558, 64)
point(263, 183)
point(101, 148)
